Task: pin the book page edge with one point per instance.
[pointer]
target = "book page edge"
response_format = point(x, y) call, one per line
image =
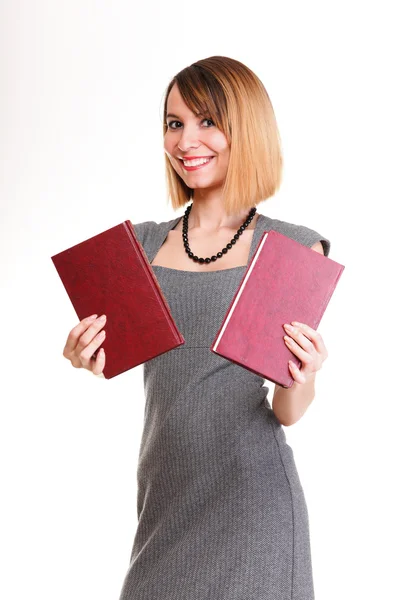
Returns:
point(251, 266)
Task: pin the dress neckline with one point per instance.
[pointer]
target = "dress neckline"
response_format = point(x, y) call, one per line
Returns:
point(254, 240)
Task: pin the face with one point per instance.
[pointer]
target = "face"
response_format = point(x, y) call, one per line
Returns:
point(189, 135)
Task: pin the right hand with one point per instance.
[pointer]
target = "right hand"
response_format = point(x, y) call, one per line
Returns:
point(82, 342)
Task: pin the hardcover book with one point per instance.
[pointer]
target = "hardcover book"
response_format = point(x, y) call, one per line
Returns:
point(110, 274)
point(285, 281)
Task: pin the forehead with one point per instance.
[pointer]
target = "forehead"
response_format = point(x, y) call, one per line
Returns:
point(202, 106)
point(175, 101)
point(177, 107)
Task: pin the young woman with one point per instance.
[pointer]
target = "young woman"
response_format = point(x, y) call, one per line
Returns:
point(221, 510)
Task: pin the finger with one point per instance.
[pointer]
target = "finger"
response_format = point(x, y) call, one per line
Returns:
point(300, 338)
point(99, 362)
point(296, 373)
point(312, 335)
point(89, 334)
point(86, 354)
point(75, 333)
point(303, 355)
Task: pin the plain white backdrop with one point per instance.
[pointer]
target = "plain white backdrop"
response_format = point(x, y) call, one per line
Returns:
point(82, 84)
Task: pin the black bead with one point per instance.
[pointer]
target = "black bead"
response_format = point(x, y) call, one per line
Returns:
point(185, 227)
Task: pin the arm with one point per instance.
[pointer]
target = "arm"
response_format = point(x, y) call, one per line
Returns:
point(289, 404)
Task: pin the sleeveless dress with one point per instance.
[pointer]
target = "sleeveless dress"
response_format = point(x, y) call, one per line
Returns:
point(221, 511)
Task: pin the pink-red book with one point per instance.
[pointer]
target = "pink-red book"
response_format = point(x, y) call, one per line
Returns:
point(285, 281)
point(110, 274)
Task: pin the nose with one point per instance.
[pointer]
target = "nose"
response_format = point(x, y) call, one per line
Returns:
point(188, 138)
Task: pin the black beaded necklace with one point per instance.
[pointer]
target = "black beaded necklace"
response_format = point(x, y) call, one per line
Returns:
point(185, 227)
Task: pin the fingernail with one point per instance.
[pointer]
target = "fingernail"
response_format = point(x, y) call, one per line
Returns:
point(92, 317)
point(102, 318)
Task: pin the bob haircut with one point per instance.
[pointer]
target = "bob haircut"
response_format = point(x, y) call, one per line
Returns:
point(229, 93)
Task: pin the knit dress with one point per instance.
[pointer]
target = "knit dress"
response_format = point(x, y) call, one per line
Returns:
point(220, 507)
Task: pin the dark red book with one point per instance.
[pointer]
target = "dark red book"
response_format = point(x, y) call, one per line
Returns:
point(110, 274)
point(285, 281)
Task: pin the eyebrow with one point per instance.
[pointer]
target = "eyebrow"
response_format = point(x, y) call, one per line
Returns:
point(177, 117)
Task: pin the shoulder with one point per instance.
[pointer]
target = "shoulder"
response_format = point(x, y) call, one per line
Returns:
point(301, 233)
point(147, 230)
point(144, 229)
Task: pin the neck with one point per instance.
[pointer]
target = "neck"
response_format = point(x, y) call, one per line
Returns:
point(209, 215)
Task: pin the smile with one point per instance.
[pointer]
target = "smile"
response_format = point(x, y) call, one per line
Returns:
point(193, 165)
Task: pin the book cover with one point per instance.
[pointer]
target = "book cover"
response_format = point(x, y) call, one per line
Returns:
point(285, 281)
point(110, 274)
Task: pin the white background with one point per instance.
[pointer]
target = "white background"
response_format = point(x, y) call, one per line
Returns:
point(82, 85)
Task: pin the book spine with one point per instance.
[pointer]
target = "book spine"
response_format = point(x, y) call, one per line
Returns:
point(153, 280)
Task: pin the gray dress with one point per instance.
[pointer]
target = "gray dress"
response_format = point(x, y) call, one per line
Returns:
point(221, 510)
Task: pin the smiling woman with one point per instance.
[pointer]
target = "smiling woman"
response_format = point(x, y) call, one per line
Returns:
point(221, 510)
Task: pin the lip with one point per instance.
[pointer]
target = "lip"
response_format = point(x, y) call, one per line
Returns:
point(195, 157)
point(196, 168)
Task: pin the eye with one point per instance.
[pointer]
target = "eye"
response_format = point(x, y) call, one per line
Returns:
point(170, 123)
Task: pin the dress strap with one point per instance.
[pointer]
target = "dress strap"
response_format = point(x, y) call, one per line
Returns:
point(158, 237)
point(263, 223)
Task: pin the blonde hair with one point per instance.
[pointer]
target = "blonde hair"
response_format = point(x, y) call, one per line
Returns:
point(238, 103)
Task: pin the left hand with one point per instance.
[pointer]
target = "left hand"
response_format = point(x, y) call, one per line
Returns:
point(307, 344)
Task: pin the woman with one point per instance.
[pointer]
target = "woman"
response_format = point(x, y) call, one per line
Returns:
point(221, 510)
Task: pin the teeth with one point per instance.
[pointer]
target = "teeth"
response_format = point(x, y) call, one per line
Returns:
point(195, 163)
